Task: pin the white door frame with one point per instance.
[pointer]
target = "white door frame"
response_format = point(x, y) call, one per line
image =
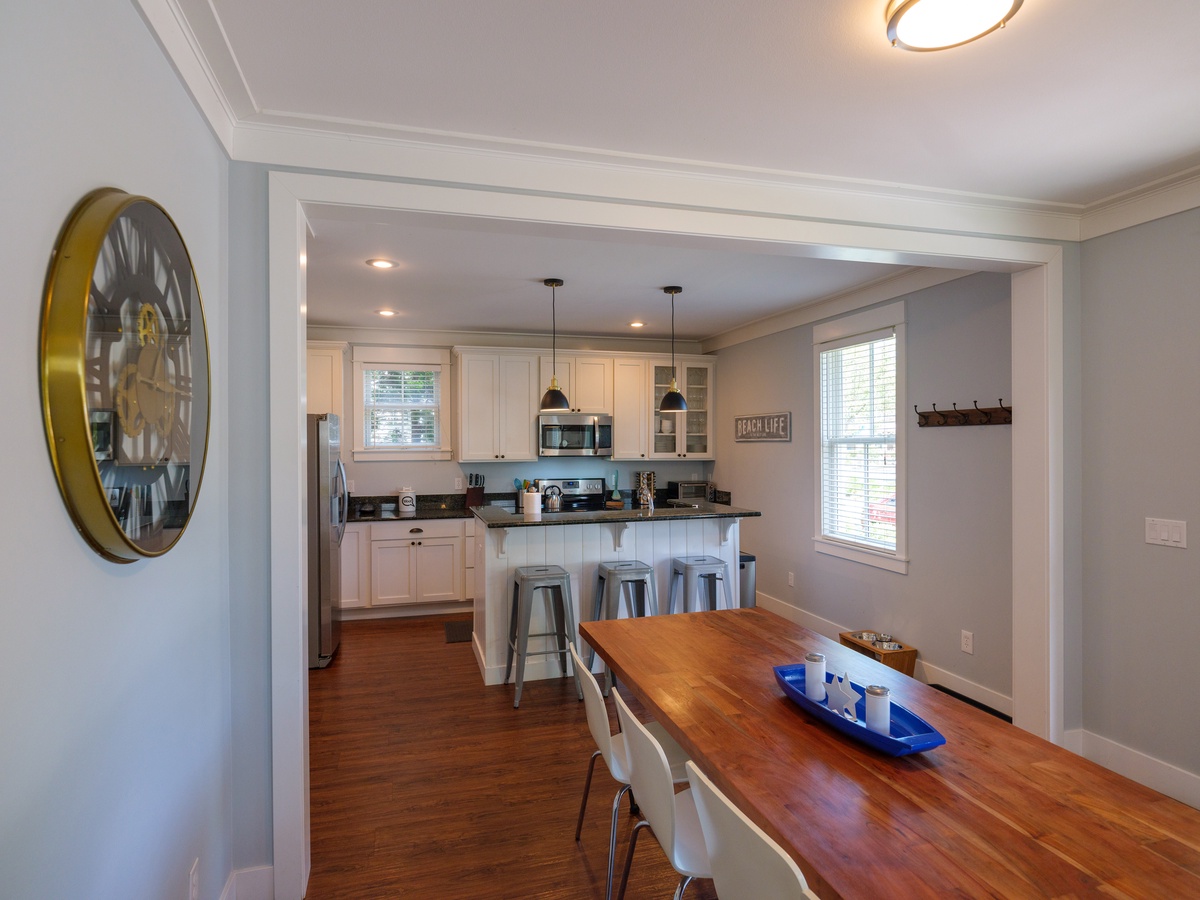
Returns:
point(1037, 438)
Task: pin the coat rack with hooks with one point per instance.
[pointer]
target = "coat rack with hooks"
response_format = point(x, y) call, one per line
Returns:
point(988, 415)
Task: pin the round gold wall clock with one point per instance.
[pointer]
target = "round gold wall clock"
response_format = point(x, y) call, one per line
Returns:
point(125, 378)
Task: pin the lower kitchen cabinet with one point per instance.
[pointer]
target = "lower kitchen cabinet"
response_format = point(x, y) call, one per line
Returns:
point(405, 563)
point(356, 567)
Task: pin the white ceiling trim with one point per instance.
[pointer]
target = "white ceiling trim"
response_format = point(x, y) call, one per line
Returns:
point(250, 134)
point(840, 304)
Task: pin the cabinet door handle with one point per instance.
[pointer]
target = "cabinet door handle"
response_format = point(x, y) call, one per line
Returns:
point(416, 531)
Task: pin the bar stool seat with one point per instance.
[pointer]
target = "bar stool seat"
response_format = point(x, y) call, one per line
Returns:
point(689, 572)
point(628, 580)
point(554, 583)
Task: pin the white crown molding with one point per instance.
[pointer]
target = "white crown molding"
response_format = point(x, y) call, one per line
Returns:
point(174, 30)
point(275, 138)
point(1149, 202)
point(839, 304)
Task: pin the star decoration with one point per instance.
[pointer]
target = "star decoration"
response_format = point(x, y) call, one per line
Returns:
point(842, 697)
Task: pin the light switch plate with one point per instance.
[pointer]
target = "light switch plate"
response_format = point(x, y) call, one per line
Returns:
point(1167, 532)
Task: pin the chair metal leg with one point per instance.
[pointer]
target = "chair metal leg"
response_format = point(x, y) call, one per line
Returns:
point(523, 644)
point(587, 786)
point(683, 883)
point(512, 631)
point(629, 856)
point(612, 841)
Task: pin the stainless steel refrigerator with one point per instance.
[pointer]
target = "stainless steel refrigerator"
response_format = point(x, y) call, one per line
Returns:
point(327, 509)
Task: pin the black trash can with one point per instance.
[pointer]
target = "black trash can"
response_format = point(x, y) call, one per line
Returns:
point(746, 583)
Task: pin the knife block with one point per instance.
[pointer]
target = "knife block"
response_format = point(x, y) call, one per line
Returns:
point(474, 496)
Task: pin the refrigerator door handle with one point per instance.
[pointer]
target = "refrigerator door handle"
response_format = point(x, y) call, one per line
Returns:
point(343, 500)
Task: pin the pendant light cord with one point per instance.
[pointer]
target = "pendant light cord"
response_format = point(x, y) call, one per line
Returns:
point(554, 332)
point(673, 375)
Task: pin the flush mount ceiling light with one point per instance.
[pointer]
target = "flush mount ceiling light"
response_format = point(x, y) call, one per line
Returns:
point(554, 400)
point(637, 324)
point(386, 313)
point(942, 24)
point(672, 400)
point(381, 263)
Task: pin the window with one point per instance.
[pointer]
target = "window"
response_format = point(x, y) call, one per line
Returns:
point(398, 404)
point(860, 510)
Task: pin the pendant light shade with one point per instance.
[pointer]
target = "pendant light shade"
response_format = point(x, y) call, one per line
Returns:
point(672, 400)
point(554, 400)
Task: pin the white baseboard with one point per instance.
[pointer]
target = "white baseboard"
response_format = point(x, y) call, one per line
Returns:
point(257, 883)
point(407, 612)
point(1163, 777)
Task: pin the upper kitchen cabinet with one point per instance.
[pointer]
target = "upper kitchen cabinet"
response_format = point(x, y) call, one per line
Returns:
point(498, 393)
point(682, 435)
point(326, 363)
point(631, 411)
point(586, 380)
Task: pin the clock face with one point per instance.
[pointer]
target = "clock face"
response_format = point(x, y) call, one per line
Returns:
point(123, 329)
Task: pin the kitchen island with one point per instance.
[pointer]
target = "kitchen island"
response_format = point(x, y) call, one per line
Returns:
point(579, 542)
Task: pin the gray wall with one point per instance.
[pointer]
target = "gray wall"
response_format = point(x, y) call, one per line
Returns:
point(959, 482)
point(115, 679)
point(1141, 434)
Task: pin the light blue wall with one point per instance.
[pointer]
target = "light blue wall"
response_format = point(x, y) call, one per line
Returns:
point(115, 679)
point(958, 348)
point(1141, 446)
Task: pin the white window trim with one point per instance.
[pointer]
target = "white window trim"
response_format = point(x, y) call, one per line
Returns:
point(368, 356)
point(890, 316)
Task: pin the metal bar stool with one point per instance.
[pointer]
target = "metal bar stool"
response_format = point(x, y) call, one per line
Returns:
point(631, 580)
point(690, 572)
point(555, 584)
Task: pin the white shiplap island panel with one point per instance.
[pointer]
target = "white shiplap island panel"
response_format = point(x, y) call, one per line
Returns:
point(579, 542)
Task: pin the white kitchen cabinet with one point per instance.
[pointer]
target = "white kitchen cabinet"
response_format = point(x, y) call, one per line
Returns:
point(682, 435)
point(326, 362)
point(631, 411)
point(498, 395)
point(416, 561)
point(356, 567)
point(586, 380)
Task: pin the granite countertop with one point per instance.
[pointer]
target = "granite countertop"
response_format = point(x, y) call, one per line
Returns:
point(429, 506)
point(498, 517)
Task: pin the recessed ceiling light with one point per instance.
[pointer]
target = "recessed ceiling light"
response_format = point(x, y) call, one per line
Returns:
point(637, 324)
point(941, 24)
point(386, 313)
point(381, 263)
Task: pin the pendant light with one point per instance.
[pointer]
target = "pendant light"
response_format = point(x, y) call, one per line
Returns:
point(672, 400)
point(554, 400)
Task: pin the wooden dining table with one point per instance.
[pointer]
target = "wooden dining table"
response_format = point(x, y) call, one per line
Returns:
point(994, 812)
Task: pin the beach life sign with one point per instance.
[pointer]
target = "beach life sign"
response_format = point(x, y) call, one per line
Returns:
point(764, 427)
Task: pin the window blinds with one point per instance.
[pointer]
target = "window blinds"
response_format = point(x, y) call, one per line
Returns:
point(400, 407)
point(858, 440)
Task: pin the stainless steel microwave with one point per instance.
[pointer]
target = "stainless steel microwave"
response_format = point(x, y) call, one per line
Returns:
point(574, 434)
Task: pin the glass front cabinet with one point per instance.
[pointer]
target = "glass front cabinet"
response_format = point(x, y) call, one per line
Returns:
point(683, 435)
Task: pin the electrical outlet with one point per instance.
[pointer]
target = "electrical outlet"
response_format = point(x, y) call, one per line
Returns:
point(791, 579)
point(194, 881)
point(350, 487)
point(968, 642)
point(458, 484)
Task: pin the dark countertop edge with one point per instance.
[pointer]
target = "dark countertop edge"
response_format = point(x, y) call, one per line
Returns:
point(460, 513)
point(498, 517)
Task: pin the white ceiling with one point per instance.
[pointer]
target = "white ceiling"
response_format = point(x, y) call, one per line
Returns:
point(1074, 104)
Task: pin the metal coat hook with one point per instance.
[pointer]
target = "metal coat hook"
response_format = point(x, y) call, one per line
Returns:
point(987, 416)
point(941, 417)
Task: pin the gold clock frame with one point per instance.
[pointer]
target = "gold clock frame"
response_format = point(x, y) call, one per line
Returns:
point(63, 380)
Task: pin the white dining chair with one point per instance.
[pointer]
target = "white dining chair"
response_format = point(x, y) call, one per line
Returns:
point(670, 816)
point(746, 863)
point(611, 747)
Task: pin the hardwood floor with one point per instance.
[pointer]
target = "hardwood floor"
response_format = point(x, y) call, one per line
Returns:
point(427, 784)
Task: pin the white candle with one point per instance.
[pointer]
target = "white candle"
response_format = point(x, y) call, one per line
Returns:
point(879, 709)
point(814, 676)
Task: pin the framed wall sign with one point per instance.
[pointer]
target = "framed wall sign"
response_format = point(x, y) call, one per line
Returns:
point(763, 427)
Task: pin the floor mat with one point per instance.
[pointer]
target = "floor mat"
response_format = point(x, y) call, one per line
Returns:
point(459, 631)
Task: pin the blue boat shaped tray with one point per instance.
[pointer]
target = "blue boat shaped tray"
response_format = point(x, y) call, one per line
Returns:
point(909, 733)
